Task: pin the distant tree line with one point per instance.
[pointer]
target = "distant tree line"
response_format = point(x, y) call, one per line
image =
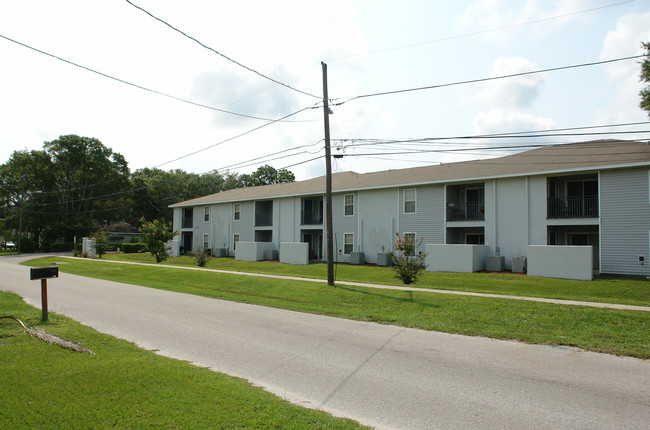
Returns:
point(75, 185)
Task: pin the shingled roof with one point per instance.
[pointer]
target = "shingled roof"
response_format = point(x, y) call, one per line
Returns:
point(602, 154)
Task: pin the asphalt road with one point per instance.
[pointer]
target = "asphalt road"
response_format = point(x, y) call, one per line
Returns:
point(384, 376)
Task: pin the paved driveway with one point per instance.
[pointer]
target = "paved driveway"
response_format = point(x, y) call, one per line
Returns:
point(385, 376)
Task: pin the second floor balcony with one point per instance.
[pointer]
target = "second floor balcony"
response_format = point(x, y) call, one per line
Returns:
point(311, 217)
point(465, 211)
point(573, 207)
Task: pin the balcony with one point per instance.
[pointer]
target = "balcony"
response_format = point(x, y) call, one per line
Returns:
point(311, 217)
point(465, 211)
point(263, 220)
point(573, 207)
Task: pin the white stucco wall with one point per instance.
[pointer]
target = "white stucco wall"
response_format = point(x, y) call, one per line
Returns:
point(455, 258)
point(294, 253)
point(567, 262)
point(252, 251)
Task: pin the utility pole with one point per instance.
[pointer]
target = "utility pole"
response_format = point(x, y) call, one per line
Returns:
point(328, 182)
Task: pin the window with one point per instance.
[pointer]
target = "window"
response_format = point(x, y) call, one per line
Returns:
point(409, 201)
point(349, 204)
point(348, 243)
point(235, 239)
point(237, 213)
point(206, 214)
point(206, 241)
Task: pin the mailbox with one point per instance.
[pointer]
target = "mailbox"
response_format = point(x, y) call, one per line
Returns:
point(43, 272)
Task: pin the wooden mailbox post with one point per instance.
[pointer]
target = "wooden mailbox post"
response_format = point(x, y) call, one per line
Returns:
point(43, 273)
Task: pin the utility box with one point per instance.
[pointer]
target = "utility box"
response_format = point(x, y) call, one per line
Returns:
point(357, 258)
point(384, 259)
point(519, 264)
point(495, 263)
point(220, 252)
point(271, 254)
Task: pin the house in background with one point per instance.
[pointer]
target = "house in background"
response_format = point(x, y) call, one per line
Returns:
point(571, 196)
point(122, 232)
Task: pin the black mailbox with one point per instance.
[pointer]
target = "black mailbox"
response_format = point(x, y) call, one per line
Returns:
point(43, 272)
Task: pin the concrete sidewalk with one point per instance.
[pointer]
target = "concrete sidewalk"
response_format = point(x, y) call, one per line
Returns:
point(401, 288)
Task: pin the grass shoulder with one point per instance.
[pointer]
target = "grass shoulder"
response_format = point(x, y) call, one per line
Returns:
point(604, 290)
point(123, 386)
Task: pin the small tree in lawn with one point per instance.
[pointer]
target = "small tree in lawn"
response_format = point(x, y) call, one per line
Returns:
point(101, 243)
point(408, 263)
point(155, 235)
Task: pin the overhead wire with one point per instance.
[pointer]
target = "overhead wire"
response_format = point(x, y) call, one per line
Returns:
point(473, 81)
point(219, 53)
point(160, 93)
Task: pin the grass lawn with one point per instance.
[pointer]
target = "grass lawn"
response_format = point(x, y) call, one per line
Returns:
point(607, 290)
point(602, 330)
point(122, 386)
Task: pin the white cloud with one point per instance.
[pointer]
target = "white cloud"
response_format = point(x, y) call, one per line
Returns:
point(498, 121)
point(511, 92)
point(625, 40)
point(541, 17)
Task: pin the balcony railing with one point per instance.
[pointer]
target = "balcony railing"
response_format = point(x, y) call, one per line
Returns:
point(186, 222)
point(465, 211)
point(263, 219)
point(311, 217)
point(573, 207)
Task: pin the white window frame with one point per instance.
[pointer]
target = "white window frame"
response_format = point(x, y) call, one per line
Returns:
point(236, 215)
point(235, 240)
point(206, 241)
point(206, 214)
point(346, 205)
point(415, 200)
point(345, 244)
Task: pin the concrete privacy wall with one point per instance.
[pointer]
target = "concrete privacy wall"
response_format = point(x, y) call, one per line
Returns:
point(568, 262)
point(456, 258)
point(252, 251)
point(88, 247)
point(294, 253)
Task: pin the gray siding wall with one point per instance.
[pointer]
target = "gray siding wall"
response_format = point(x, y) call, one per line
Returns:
point(625, 221)
point(344, 224)
point(428, 221)
point(245, 226)
point(511, 218)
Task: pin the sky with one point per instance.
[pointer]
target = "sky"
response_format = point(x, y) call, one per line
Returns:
point(251, 93)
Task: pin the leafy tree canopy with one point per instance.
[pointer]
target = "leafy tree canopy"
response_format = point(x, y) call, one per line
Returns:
point(645, 77)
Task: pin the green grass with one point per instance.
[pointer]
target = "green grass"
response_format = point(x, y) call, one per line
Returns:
point(604, 290)
point(602, 330)
point(45, 386)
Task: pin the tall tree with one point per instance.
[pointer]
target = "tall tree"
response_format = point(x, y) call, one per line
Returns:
point(91, 182)
point(645, 77)
point(266, 175)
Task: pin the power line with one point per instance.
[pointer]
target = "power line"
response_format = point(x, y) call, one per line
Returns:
point(473, 81)
point(122, 81)
point(219, 53)
point(461, 36)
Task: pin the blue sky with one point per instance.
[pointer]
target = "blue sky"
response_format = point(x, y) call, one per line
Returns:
point(369, 46)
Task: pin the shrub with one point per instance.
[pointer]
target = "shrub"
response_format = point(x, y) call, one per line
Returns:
point(131, 248)
point(155, 236)
point(407, 263)
point(101, 243)
point(61, 247)
point(202, 256)
point(27, 245)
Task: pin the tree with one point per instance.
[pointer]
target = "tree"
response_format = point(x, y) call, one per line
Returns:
point(645, 77)
point(155, 236)
point(407, 263)
point(266, 175)
point(101, 243)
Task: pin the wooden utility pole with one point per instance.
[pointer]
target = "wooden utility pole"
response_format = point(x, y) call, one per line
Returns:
point(328, 182)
